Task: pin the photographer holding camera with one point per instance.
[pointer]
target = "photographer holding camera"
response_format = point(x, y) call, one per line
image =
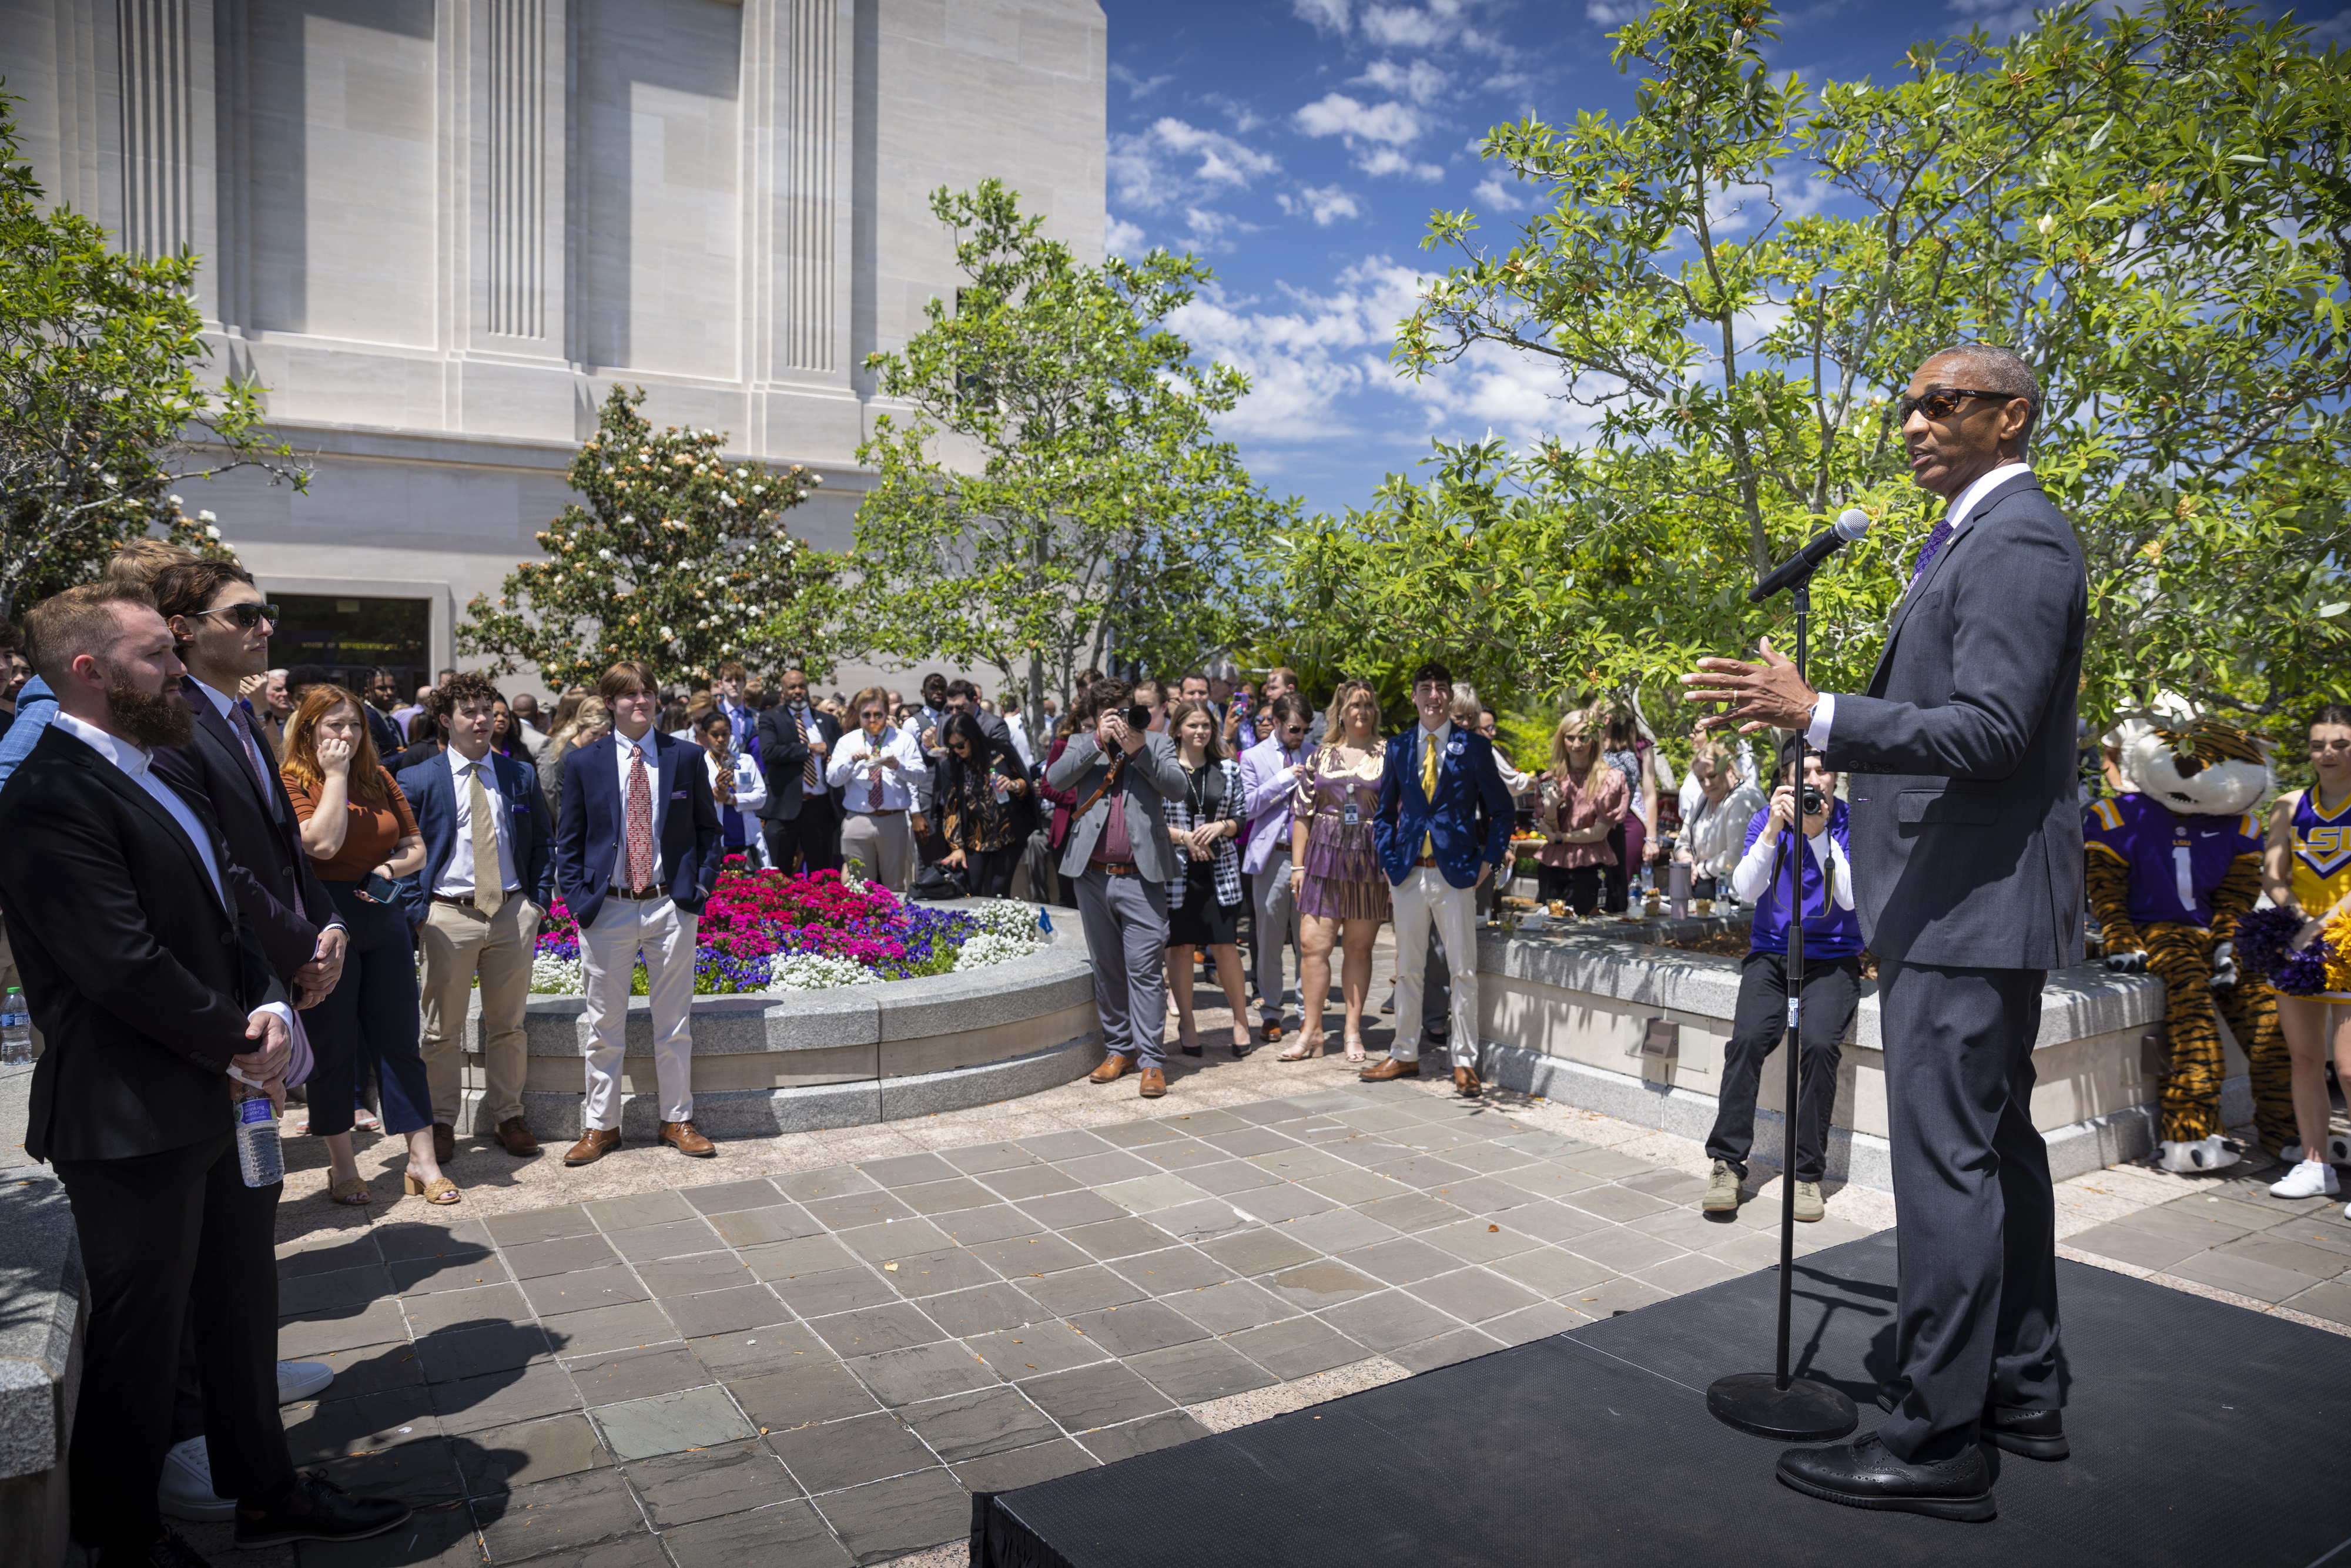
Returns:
point(1832, 982)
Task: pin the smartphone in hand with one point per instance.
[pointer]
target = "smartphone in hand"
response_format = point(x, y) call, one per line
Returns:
point(380, 888)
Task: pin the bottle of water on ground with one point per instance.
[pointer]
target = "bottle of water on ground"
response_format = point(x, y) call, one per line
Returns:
point(258, 1156)
point(15, 1030)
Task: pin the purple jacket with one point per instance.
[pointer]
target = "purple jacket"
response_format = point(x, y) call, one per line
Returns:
point(1266, 798)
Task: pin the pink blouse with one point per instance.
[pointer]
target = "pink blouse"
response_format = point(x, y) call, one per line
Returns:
point(1567, 809)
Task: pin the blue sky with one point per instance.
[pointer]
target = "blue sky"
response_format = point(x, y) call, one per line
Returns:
point(1298, 146)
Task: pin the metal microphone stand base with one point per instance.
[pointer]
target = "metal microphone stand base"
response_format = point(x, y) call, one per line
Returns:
point(1801, 1412)
point(1779, 1404)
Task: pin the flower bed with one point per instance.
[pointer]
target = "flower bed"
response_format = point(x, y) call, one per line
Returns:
point(767, 931)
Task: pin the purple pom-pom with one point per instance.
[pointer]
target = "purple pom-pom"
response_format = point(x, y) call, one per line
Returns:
point(2264, 948)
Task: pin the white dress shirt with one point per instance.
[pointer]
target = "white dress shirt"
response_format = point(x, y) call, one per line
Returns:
point(456, 878)
point(624, 751)
point(138, 763)
point(222, 702)
point(1824, 712)
point(853, 766)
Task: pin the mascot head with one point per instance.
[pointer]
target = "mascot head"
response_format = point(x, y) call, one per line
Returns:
point(2200, 767)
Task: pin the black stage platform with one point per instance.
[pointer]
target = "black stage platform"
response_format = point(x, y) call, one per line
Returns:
point(2202, 1434)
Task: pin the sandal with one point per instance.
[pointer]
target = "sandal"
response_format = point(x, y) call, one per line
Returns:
point(1355, 1049)
point(440, 1191)
point(351, 1192)
point(1309, 1046)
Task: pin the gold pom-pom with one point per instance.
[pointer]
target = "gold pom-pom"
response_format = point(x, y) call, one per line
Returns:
point(2336, 934)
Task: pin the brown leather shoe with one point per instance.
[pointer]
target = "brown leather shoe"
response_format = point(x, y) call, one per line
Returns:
point(1389, 1067)
point(681, 1137)
point(1465, 1082)
point(515, 1135)
point(1154, 1084)
point(594, 1146)
point(1113, 1068)
point(445, 1141)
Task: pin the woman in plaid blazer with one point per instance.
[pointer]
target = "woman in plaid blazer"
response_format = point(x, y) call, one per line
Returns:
point(1204, 902)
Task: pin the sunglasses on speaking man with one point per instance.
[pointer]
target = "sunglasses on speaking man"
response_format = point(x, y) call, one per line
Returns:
point(247, 615)
point(1943, 402)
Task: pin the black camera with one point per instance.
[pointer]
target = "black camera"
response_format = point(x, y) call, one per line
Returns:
point(1816, 801)
point(1138, 719)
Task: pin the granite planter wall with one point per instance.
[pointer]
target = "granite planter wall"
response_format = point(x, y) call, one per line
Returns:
point(786, 1062)
point(42, 1317)
point(1564, 1013)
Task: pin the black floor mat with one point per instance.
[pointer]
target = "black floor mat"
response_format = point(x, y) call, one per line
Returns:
point(2202, 1434)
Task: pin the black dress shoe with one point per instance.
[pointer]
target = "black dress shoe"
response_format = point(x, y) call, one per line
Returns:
point(318, 1510)
point(2034, 1434)
point(1862, 1474)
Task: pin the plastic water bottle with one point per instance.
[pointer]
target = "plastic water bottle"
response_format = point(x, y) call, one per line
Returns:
point(258, 1156)
point(15, 1030)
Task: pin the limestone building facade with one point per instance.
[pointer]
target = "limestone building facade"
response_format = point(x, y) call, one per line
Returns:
point(438, 231)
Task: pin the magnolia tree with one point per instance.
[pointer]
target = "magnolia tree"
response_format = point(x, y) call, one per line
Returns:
point(101, 414)
point(673, 556)
point(1733, 284)
point(1054, 492)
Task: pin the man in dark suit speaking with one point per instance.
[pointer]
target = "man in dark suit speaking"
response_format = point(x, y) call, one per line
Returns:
point(1967, 860)
point(149, 985)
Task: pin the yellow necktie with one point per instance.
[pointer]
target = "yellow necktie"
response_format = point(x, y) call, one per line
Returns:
point(1428, 786)
point(489, 887)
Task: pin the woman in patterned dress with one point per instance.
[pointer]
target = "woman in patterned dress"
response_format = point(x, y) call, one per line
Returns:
point(2308, 869)
point(1203, 900)
point(1334, 869)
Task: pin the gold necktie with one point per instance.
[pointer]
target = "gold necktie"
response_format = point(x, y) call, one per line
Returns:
point(1428, 786)
point(489, 886)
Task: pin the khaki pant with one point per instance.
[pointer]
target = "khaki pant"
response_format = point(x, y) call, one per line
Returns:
point(458, 944)
point(885, 845)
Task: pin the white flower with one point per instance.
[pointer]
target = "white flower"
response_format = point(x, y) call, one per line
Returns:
point(109, 478)
point(556, 974)
point(739, 474)
point(604, 554)
point(671, 636)
point(177, 503)
point(212, 533)
point(727, 500)
point(815, 479)
point(756, 490)
point(206, 517)
point(628, 516)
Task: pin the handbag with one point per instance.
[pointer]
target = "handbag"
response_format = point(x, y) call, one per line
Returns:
point(938, 882)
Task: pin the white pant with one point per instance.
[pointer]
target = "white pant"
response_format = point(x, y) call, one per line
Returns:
point(1424, 898)
point(608, 954)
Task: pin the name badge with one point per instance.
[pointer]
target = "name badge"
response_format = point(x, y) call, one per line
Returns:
point(1349, 815)
point(677, 794)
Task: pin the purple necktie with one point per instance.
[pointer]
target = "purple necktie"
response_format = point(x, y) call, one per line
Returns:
point(240, 713)
point(1935, 541)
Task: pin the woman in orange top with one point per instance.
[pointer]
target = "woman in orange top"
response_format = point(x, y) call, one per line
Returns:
point(359, 835)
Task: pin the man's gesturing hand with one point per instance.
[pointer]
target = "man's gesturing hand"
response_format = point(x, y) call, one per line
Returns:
point(1760, 696)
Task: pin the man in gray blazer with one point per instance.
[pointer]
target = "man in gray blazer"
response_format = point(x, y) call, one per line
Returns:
point(1966, 862)
point(1119, 856)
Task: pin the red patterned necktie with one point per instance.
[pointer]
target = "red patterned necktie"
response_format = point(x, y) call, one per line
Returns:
point(809, 782)
point(873, 787)
point(641, 823)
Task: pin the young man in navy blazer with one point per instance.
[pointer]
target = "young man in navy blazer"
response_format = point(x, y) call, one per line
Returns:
point(476, 809)
point(635, 855)
point(1443, 824)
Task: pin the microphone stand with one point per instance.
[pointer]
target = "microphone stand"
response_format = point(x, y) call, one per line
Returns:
point(1779, 1404)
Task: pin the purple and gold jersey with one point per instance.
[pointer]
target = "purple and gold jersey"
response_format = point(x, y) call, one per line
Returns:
point(2175, 862)
point(2322, 853)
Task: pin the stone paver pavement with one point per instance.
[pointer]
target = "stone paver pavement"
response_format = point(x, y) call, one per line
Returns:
point(818, 1368)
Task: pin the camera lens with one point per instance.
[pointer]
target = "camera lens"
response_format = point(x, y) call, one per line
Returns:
point(1815, 801)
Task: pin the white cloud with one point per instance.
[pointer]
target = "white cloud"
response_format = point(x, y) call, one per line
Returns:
point(1736, 207)
point(1323, 204)
point(1123, 239)
point(1336, 114)
point(1327, 16)
point(1616, 12)
point(1419, 81)
point(1139, 86)
point(1441, 24)
point(1146, 167)
point(1499, 196)
point(1388, 161)
point(1319, 368)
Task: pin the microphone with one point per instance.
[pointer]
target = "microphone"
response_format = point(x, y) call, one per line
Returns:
point(1851, 524)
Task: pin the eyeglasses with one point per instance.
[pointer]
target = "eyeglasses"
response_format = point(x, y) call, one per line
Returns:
point(1943, 402)
point(1294, 729)
point(247, 615)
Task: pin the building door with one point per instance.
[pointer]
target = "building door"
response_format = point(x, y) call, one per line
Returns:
point(350, 636)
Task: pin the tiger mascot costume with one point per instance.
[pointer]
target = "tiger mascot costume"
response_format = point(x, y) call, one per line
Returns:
point(2171, 870)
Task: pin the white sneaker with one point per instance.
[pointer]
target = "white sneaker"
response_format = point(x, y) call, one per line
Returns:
point(186, 1490)
point(2310, 1178)
point(301, 1379)
point(2197, 1156)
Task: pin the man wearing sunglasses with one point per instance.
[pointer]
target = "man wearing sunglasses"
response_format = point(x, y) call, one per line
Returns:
point(1966, 862)
point(1270, 772)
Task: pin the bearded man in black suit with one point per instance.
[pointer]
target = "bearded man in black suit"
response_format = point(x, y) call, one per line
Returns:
point(1967, 866)
point(150, 986)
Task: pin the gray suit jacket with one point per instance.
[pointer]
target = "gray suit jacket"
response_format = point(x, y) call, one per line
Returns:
point(1967, 827)
point(1151, 778)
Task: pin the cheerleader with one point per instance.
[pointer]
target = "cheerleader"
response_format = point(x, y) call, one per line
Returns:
point(2307, 869)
